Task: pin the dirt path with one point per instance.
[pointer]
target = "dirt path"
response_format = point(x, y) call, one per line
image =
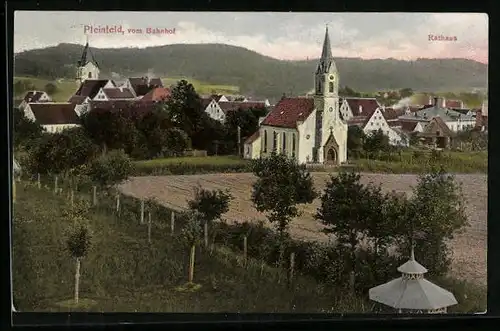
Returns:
point(469, 249)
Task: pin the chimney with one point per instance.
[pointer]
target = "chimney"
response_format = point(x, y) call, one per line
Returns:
point(435, 103)
point(430, 100)
point(360, 109)
point(149, 79)
point(443, 103)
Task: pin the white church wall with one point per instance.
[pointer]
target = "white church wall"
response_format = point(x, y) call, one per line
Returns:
point(306, 139)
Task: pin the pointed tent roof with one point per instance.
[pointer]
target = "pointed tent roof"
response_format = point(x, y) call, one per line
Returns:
point(326, 60)
point(83, 59)
point(415, 293)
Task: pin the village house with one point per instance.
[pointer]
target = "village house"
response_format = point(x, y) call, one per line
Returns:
point(141, 86)
point(81, 104)
point(377, 121)
point(114, 93)
point(91, 87)
point(453, 119)
point(218, 110)
point(357, 107)
point(310, 129)
point(437, 133)
point(53, 117)
point(34, 97)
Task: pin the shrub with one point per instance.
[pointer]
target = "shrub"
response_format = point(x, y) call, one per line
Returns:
point(110, 169)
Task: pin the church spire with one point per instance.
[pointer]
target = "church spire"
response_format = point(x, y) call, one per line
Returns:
point(326, 60)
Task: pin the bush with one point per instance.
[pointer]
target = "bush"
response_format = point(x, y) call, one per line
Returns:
point(50, 88)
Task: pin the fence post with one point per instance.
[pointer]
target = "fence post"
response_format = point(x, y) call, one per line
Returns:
point(94, 196)
point(149, 227)
point(245, 250)
point(55, 185)
point(142, 211)
point(118, 204)
point(39, 183)
point(292, 267)
point(172, 222)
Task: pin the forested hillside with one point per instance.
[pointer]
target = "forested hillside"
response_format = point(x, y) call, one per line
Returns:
point(254, 73)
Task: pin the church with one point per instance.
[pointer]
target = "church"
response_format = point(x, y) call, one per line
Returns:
point(309, 129)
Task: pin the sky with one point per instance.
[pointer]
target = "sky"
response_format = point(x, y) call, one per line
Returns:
point(291, 36)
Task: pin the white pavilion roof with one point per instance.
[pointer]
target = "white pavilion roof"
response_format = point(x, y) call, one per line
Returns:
point(412, 294)
point(412, 267)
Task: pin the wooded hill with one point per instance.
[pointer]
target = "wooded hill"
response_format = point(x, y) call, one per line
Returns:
point(254, 73)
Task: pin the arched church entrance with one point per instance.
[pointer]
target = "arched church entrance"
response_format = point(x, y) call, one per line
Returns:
point(331, 151)
point(331, 156)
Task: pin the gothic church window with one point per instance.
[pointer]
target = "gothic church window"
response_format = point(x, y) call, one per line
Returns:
point(331, 87)
point(275, 140)
point(293, 145)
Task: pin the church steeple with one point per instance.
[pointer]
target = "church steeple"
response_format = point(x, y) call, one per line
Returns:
point(87, 67)
point(326, 61)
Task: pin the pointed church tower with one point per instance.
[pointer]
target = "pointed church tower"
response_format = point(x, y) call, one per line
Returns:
point(86, 68)
point(331, 130)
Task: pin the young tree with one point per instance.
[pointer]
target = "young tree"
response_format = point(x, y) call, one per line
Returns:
point(110, 169)
point(211, 205)
point(376, 142)
point(346, 210)
point(191, 235)
point(355, 140)
point(437, 212)
point(281, 185)
point(78, 245)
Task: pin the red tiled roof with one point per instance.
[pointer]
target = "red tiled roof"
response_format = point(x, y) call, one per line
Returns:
point(253, 137)
point(33, 96)
point(239, 105)
point(77, 99)
point(121, 104)
point(437, 123)
point(408, 126)
point(368, 105)
point(205, 102)
point(142, 85)
point(54, 113)
point(90, 87)
point(453, 104)
point(391, 113)
point(288, 111)
point(157, 94)
point(118, 93)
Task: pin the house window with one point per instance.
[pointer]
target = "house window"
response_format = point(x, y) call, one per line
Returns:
point(293, 145)
point(331, 87)
point(90, 75)
point(275, 140)
point(265, 141)
point(284, 141)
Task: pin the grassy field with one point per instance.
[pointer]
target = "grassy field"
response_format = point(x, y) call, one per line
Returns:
point(65, 87)
point(123, 273)
point(202, 87)
point(407, 162)
point(411, 162)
